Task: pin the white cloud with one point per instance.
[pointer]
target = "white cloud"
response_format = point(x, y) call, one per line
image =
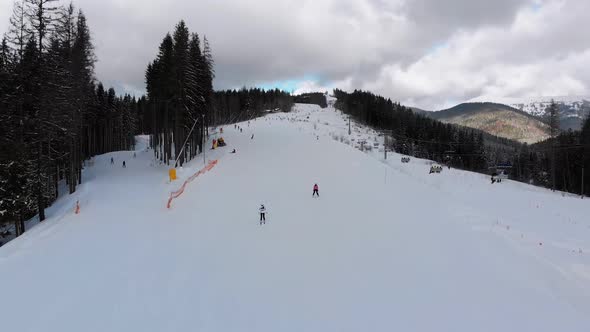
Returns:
point(428, 53)
point(542, 52)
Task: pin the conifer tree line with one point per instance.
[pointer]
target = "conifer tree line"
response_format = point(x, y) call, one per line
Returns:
point(178, 108)
point(53, 114)
point(414, 134)
point(315, 98)
point(560, 162)
point(240, 105)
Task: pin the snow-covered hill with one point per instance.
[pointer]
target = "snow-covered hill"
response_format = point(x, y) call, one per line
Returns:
point(387, 246)
point(537, 105)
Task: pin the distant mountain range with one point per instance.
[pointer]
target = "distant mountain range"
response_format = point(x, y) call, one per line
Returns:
point(520, 119)
point(573, 109)
point(496, 119)
point(419, 110)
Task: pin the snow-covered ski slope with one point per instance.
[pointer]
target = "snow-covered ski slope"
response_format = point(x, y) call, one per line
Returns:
point(387, 247)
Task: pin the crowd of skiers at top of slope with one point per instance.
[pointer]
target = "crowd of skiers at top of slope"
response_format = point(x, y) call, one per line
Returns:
point(262, 209)
point(221, 141)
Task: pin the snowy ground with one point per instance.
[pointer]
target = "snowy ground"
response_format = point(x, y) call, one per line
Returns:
point(387, 247)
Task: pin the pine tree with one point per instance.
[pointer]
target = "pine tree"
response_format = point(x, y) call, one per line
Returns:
point(181, 99)
point(42, 18)
point(585, 141)
point(33, 118)
point(5, 68)
point(553, 116)
point(13, 197)
point(19, 31)
point(208, 74)
point(82, 67)
point(164, 82)
point(195, 91)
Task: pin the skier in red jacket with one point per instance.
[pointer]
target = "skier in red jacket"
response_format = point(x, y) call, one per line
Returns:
point(315, 190)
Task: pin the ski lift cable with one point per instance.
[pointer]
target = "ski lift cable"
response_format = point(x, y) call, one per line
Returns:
point(573, 146)
point(184, 145)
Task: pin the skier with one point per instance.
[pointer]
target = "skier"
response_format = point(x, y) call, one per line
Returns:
point(112, 161)
point(134, 155)
point(262, 214)
point(233, 151)
point(252, 136)
point(124, 166)
point(315, 190)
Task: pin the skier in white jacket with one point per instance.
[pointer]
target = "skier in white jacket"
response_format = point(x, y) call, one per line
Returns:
point(262, 211)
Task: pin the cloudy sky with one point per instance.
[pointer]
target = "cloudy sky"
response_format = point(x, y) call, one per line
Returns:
point(425, 53)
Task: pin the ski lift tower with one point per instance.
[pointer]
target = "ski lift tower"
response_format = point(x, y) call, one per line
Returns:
point(386, 134)
point(449, 155)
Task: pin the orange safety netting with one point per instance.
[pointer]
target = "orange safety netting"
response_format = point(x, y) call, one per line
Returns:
point(177, 193)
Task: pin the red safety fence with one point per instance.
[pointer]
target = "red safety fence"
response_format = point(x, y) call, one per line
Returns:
point(177, 193)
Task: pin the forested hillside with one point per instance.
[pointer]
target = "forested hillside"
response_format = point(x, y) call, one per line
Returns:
point(54, 115)
point(415, 134)
point(315, 98)
point(558, 162)
point(239, 105)
point(496, 119)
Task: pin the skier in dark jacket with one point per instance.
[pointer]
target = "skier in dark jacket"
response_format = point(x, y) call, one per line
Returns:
point(124, 166)
point(315, 190)
point(262, 211)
